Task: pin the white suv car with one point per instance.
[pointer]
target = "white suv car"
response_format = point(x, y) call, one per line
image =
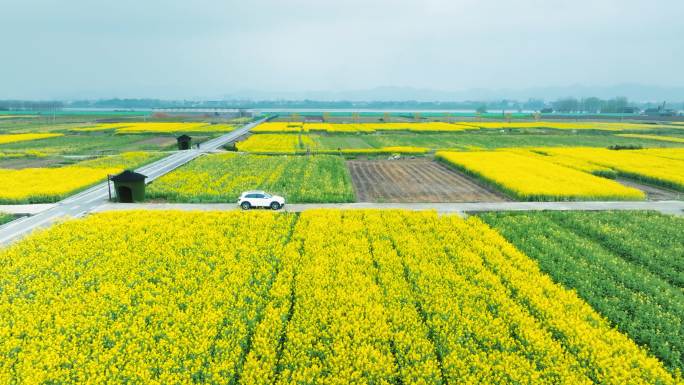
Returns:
point(259, 198)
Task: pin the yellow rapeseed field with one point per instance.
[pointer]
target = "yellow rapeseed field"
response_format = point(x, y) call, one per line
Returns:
point(671, 153)
point(649, 165)
point(333, 297)
point(285, 127)
point(174, 128)
point(101, 127)
point(39, 185)
point(223, 177)
point(654, 137)
point(276, 143)
point(158, 127)
point(530, 177)
point(302, 144)
point(602, 126)
point(12, 138)
point(563, 160)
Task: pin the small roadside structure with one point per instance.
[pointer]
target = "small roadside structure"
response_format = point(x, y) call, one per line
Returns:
point(129, 186)
point(184, 142)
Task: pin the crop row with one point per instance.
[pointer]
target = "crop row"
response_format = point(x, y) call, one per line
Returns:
point(293, 127)
point(648, 165)
point(304, 144)
point(299, 127)
point(328, 296)
point(530, 177)
point(628, 266)
point(157, 127)
point(40, 185)
point(13, 138)
point(223, 177)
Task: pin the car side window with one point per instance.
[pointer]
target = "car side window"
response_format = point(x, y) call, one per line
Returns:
point(261, 196)
point(251, 195)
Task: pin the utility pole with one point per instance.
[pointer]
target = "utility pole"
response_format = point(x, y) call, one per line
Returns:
point(109, 190)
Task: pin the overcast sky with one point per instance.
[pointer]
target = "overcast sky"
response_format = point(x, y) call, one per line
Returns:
point(210, 48)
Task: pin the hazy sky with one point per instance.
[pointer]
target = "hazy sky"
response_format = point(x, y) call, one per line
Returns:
point(209, 48)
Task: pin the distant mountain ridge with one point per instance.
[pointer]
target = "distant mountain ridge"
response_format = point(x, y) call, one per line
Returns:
point(635, 92)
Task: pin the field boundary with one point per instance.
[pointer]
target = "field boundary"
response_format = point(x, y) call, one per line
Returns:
point(666, 207)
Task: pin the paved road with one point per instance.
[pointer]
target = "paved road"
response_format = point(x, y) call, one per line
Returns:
point(668, 207)
point(85, 201)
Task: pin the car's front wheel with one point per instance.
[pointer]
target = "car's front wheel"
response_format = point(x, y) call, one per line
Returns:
point(275, 205)
point(245, 205)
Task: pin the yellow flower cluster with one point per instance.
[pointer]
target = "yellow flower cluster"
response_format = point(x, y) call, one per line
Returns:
point(334, 297)
point(533, 178)
point(563, 160)
point(670, 153)
point(602, 126)
point(302, 144)
point(39, 185)
point(136, 297)
point(276, 144)
point(125, 160)
point(154, 127)
point(293, 127)
point(646, 164)
point(654, 137)
point(12, 138)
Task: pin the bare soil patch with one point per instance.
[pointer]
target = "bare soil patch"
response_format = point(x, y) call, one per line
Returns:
point(21, 163)
point(653, 193)
point(415, 180)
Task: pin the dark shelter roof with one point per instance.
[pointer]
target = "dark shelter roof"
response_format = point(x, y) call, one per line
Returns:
point(128, 176)
point(184, 137)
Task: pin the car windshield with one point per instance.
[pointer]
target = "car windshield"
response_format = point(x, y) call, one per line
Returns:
point(267, 195)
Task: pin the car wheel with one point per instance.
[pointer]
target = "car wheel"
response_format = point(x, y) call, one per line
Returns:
point(245, 205)
point(275, 205)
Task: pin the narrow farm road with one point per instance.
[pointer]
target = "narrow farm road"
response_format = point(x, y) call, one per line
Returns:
point(667, 207)
point(86, 201)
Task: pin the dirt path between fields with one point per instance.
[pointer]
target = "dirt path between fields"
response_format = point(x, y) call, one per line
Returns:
point(653, 193)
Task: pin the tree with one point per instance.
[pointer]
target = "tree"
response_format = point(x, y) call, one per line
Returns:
point(482, 109)
point(534, 104)
point(592, 105)
point(566, 105)
point(614, 105)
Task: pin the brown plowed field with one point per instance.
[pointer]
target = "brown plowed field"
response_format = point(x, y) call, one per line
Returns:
point(415, 180)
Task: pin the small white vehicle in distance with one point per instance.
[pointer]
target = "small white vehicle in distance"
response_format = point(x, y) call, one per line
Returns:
point(258, 198)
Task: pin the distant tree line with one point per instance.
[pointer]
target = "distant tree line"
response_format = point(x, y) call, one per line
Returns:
point(11, 105)
point(592, 105)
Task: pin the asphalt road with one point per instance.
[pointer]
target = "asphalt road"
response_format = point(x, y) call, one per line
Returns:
point(86, 201)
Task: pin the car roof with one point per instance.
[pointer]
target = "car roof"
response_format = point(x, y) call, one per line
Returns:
point(254, 192)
